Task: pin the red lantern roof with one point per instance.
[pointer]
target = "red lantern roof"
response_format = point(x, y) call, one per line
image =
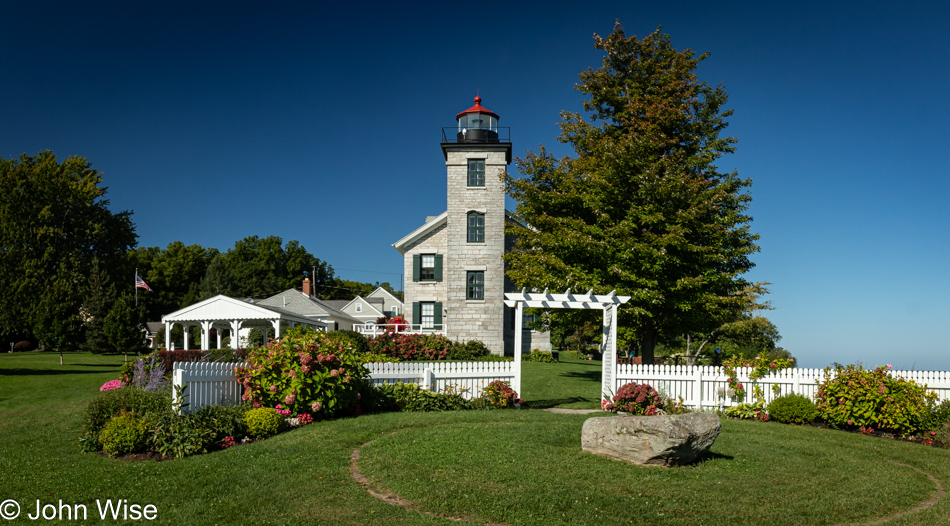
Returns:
point(477, 108)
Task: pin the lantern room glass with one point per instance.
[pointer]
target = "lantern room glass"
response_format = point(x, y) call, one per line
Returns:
point(478, 121)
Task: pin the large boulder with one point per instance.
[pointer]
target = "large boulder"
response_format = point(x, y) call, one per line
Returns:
point(663, 440)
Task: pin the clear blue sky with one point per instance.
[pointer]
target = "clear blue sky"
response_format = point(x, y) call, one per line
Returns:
point(222, 120)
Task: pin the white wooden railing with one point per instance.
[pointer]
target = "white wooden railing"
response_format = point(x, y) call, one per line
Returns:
point(214, 383)
point(371, 330)
point(703, 386)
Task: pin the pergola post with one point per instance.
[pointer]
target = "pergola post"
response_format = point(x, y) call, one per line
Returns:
point(608, 303)
point(519, 312)
point(218, 332)
point(184, 330)
point(276, 324)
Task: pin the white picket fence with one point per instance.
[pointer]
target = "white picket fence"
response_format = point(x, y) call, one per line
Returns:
point(207, 383)
point(214, 383)
point(467, 378)
point(704, 386)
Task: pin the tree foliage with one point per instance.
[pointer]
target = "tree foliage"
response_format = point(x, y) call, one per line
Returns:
point(54, 221)
point(641, 208)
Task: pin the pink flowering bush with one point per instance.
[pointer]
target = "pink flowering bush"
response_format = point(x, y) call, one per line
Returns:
point(636, 399)
point(111, 384)
point(305, 371)
point(855, 397)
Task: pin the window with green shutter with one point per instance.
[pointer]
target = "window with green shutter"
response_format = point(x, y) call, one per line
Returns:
point(427, 267)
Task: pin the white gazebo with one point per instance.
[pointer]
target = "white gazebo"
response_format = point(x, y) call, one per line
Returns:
point(225, 313)
point(608, 303)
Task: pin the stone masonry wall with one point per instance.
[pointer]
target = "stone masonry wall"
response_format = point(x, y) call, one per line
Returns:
point(478, 320)
point(433, 243)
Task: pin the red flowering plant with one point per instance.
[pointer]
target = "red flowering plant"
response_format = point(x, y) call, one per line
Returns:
point(410, 347)
point(499, 395)
point(397, 324)
point(635, 399)
point(303, 372)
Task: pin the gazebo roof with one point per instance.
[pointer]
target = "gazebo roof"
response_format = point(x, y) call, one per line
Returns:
point(222, 308)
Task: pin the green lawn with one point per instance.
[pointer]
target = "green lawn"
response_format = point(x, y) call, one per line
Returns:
point(512, 467)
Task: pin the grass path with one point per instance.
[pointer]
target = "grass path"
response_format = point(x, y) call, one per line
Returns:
point(511, 467)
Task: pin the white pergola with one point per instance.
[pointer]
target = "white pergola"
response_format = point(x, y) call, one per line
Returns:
point(608, 303)
point(225, 313)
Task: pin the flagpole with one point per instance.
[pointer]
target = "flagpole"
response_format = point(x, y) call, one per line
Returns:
point(136, 284)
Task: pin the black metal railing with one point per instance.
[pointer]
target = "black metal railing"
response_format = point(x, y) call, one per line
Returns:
point(475, 136)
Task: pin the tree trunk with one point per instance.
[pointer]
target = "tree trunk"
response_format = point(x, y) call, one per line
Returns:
point(61, 357)
point(648, 341)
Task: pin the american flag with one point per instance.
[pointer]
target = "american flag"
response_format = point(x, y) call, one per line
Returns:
point(140, 283)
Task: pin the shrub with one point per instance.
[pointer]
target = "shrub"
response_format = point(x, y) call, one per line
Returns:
point(124, 434)
point(855, 397)
point(499, 395)
point(793, 409)
point(306, 371)
point(116, 401)
point(636, 399)
point(179, 436)
point(469, 350)
point(749, 411)
point(942, 436)
point(221, 421)
point(938, 415)
point(169, 358)
point(675, 407)
point(377, 358)
point(538, 355)
point(351, 339)
point(411, 397)
point(262, 422)
point(411, 347)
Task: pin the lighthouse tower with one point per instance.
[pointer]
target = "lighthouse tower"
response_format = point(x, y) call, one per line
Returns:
point(476, 153)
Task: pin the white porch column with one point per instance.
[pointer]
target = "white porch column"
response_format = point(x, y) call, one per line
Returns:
point(276, 328)
point(235, 334)
point(519, 310)
point(205, 335)
point(168, 337)
point(219, 331)
point(184, 329)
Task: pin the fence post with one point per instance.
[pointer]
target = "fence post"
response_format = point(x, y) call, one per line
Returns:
point(699, 388)
point(428, 379)
point(176, 382)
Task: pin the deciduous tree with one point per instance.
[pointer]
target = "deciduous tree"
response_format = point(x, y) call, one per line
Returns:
point(54, 220)
point(640, 208)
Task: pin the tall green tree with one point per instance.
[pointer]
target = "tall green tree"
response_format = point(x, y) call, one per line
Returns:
point(640, 208)
point(123, 325)
point(264, 266)
point(54, 221)
point(173, 273)
point(97, 302)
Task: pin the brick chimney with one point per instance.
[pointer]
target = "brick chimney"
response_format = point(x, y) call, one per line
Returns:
point(306, 288)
